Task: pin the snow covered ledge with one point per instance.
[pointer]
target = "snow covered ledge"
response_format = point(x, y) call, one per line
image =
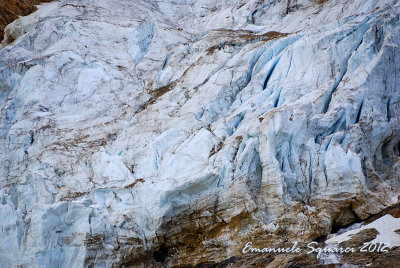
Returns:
point(386, 227)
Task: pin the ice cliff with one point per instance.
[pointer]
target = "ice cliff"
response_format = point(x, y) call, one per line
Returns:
point(156, 132)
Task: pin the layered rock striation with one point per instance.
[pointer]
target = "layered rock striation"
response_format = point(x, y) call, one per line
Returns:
point(171, 133)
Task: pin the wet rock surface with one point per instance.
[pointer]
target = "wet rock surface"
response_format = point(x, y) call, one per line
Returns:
point(171, 133)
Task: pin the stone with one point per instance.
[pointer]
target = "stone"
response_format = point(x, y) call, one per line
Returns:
point(10, 10)
point(171, 133)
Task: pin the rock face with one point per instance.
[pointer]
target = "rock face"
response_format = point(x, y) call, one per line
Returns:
point(358, 237)
point(170, 133)
point(11, 9)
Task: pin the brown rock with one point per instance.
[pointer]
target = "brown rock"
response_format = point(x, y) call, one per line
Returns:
point(11, 9)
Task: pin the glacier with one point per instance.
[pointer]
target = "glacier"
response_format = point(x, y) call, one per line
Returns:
point(169, 133)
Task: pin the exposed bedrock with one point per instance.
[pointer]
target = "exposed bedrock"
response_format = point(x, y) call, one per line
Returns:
point(10, 10)
point(170, 133)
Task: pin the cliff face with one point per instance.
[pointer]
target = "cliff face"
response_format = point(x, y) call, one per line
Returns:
point(173, 132)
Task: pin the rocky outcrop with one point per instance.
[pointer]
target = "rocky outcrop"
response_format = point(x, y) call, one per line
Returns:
point(11, 9)
point(171, 133)
point(360, 237)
